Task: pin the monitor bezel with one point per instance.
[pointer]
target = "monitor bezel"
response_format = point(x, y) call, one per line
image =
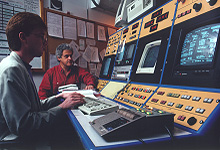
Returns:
point(183, 33)
point(147, 70)
point(111, 66)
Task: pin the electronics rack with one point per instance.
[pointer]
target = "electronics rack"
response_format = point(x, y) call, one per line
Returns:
point(195, 108)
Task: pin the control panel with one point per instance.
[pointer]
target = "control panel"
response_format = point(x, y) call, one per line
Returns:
point(113, 42)
point(158, 20)
point(135, 95)
point(132, 31)
point(101, 84)
point(131, 124)
point(124, 58)
point(192, 108)
point(188, 9)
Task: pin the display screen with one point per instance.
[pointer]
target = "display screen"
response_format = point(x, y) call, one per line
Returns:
point(129, 51)
point(151, 57)
point(106, 66)
point(199, 46)
point(120, 53)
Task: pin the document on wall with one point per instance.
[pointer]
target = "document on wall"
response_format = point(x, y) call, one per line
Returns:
point(92, 68)
point(81, 44)
point(82, 61)
point(102, 54)
point(81, 26)
point(90, 42)
point(54, 25)
point(101, 33)
point(69, 28)
point(76, 53)
point(90, 30)
point(87, 54)
point(94, 54)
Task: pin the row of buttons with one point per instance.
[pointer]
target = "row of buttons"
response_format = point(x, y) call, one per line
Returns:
point(139, 96)
point(141, 89)
point(129, 101)
point(189, 108)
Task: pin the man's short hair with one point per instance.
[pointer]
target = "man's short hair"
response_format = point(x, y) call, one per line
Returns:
point(61, 48)
point(22, 22)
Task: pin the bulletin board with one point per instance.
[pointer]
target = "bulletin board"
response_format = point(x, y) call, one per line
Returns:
point(56, 37)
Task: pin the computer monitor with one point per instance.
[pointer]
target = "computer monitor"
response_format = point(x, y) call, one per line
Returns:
point(148, 60)
point(194, 56)
point(107, 67)
point(198, 50)
point(149, 57)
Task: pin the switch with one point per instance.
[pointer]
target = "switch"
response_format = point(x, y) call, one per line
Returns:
point(197, 6)
point(211, 2)
point(191, 121)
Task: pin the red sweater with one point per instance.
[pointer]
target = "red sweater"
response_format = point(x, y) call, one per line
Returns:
point(55, 77)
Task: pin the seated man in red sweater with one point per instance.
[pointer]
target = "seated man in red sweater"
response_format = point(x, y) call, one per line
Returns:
point(63, 74)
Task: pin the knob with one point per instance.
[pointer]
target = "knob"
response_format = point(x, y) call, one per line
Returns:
point(197, 6)
point(191, 121)
point(211, 2)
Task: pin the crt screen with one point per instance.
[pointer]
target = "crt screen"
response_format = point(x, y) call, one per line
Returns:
point(129, 51)
point(151, 57)
point(120, 54)
point(106, 66)
point(199, 46)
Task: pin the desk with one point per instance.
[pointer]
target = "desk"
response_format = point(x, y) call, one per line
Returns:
point(92, 141)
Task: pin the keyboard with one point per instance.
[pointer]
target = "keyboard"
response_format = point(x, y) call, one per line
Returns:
point(98, 106)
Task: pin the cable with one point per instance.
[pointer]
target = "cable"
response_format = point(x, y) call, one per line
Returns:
point(171, 135)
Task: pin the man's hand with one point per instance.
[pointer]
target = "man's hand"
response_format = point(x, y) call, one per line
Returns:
point(89, 87)
point(71, 99)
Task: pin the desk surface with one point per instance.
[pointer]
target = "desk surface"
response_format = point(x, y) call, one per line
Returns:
point(92, 140)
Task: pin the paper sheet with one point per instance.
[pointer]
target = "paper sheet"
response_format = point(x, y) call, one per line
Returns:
point(101, 33)
point(76, 53)
point(90, 30)
point(94, 54)
point(81, 44)
point(69, 28)
point(87, 54)
point(81, 26)
point(90, 42)
point(54, 25)
point(102, 54)
point(82, 61)
point(92, 68)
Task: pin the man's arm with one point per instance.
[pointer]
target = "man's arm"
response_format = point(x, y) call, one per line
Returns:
point(45, 88)
point(87, 78)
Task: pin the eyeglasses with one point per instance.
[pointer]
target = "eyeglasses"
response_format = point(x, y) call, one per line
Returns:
point(42, 36)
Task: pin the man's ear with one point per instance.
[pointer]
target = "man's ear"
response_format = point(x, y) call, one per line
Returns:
point(22, 36)
point(58, 59)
